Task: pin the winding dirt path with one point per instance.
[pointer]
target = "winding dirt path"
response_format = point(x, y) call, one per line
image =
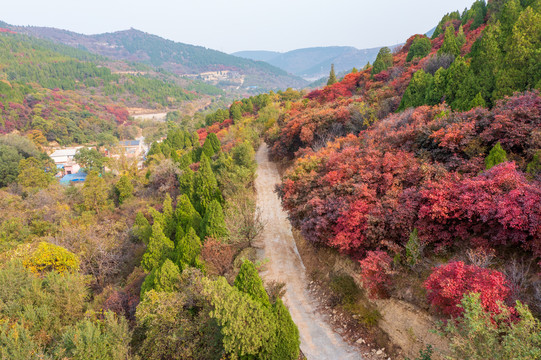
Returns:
point(318, 340)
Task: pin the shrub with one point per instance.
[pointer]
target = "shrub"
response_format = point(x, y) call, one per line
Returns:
point(496, 156)
point(448, 284)
point(49, 257)
point(345, 288)
point(482, 334)
point(375, 269)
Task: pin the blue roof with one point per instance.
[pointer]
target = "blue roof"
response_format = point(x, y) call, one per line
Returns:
point(129, 143)
point(73, 178)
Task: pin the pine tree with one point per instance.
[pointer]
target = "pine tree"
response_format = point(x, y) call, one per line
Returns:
point(206, 187)
point(249, 282)
point(169, 224)
point(186, 182)
point(450, 45)
point(141, 228)
point(478, 101)
point(186, 215)
point(213, 224)
point(436, 91)
point(159, 248)
point(497, 155)
point(208, 151)
point(188, 250)
point(235, 112)
point(383, 61)
point(417, 90)
point(460, 37)
point(95, 192)
point(420, 47)
point(287, 334)
point(165, 278)
point(215, 142)
point(123, 188)
point(332, 77)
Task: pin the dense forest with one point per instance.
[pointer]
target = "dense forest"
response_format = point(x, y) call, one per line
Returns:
point(422, 169)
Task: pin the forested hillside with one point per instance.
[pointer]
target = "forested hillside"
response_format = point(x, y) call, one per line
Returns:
point(175, 57)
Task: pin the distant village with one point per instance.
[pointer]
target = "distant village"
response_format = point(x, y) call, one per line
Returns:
point(69, 171)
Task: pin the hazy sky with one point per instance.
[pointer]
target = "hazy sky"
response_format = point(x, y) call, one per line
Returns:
point(233, 25)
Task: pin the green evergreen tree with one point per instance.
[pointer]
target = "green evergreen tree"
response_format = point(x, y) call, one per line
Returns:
point(287, 334)
point(354, 70)
point(235, 112)
point(478, 101)
point(438, 87)
point(123, 189)
point(33, 174)
point(213, 224)
point(169, 224)
point(460, 37)
point(214, 141)
point(208, 151)
point(248, 327)
point(420, 47)
point(206, 187)
point(534, 166)
point(186, 182)
point(332, 77)
point(249, 282)
point(165, 278)
point(159, 248)
point(188, 250)
point(141, 228)
point(95, 192)
point(450, 44)
point(497, 155)
point(9, 164)
point(383, 61)
point(186, 215)
point(417, 90)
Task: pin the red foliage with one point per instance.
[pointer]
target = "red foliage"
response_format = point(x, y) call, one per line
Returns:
point(448, 284)
point(375, 273)
point(120, 112)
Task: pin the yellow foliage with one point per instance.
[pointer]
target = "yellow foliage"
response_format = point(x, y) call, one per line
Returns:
point(49, 257)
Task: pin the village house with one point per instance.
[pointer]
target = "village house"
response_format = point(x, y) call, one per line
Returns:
point(63, 158)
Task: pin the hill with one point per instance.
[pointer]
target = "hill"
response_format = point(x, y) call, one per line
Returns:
point(314, 63)
point(195, 62)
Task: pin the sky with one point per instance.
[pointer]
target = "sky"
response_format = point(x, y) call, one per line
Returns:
point(235, 25)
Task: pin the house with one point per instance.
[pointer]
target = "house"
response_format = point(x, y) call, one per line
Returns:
point(132, 148)
point(63, 158)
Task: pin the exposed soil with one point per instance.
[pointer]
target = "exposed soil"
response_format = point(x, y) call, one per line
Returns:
point(283, 264)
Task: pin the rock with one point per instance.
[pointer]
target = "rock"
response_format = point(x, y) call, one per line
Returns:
point(379, 352)
point(360, 341)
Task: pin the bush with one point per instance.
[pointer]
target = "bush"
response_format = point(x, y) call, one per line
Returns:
point(449, 283)
point(375, 269)
point(345, 288)
point(482, 334)
point(49, 257)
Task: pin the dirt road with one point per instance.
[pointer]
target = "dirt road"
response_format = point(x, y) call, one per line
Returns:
point(318, 340)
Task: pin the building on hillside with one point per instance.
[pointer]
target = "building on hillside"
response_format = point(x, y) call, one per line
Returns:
point(63, 158)
point(131, 150)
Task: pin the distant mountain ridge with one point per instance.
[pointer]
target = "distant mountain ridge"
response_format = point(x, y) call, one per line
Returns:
point(315, 62)
point(179, 58)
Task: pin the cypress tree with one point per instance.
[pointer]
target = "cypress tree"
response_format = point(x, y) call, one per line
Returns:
point(188, 250)
point(287, 334)
point(213, 224)
point(249, 282)
point(478, 101)
point(159, 248)
point(186, 182)
point(165, 278)
point(497, 155)
point(332, 76)
point(215, 142)
point(450, 44)
point(417, 90)
point(141, 228)
point(123, 189)
point(186, 215)
point(169, 220)
point(208, 151)
point(383, 61)
point(206, 186)
point(436, 91)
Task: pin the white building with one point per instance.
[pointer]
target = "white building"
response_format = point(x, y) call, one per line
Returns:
point(63, 158)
